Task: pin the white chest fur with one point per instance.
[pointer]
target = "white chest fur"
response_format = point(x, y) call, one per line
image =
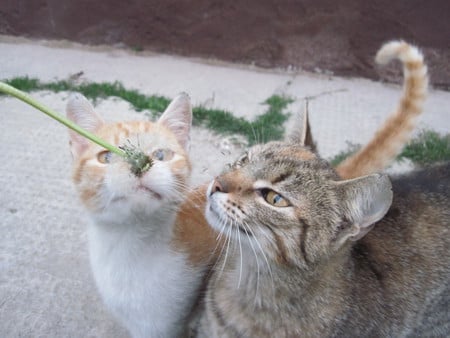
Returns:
point(149, 287)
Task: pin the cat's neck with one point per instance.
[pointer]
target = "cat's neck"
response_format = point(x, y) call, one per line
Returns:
point(263, 280)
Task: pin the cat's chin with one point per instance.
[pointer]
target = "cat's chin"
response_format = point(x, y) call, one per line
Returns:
point(147, 191)
point(141, 201)
point(141, 194)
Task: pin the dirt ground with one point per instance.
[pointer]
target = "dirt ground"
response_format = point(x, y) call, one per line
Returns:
point(328, 36)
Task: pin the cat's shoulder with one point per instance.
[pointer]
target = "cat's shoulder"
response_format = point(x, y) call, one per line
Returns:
point(431, 179)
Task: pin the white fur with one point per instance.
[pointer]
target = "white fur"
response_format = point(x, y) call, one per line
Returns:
point(144, 282)
point(398, 49)
point(148, 287)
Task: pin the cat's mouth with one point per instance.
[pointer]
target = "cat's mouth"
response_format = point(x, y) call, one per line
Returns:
point(147, 190)
point(139, 189)
point(220, 218)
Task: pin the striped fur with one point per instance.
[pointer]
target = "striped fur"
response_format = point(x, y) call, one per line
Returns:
point(315, 265)
point(299, 252)
point(396, 131)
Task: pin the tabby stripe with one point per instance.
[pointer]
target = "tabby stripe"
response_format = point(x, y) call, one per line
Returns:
point(282, 253)
point(305, 227)
point(220, 317)
point(280, 178)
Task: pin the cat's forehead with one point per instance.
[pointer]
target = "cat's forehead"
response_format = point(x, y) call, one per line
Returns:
point(140, 133)
point(278, 161)
point(281, 150)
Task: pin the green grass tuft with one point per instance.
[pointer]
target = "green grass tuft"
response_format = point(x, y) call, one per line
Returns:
point(23, 83)
point(266, 127)
point(428, 147)
point(269, 126)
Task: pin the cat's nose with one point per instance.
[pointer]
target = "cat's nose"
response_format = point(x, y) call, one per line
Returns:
point(217, 186)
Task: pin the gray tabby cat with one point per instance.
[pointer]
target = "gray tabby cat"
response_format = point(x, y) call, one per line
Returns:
point(307, 255)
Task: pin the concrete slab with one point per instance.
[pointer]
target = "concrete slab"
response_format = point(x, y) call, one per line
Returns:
point(46, 288)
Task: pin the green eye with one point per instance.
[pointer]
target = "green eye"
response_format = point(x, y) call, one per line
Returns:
point(274, 198)
point(163, 154)
point(104, 156)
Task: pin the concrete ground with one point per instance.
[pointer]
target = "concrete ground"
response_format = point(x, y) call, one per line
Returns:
point(46, 287)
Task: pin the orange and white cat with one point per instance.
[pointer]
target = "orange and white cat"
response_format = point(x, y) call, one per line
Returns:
point(150, 245)
point(143, 279)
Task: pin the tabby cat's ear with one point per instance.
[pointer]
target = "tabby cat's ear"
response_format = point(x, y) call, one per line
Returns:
point(302, 132)
point(178, 118)
point(366, 200)
point(80, 111)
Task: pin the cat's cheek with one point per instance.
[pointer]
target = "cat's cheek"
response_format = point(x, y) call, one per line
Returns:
point(161, 181)
point(215, 213)
point(180, 166)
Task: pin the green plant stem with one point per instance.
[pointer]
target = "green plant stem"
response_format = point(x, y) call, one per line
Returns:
point(7, 89)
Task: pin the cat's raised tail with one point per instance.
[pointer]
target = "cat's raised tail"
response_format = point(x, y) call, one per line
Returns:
point(396, 131)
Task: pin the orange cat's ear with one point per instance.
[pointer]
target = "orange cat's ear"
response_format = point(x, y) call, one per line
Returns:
point(80, 111)
point(302, 132)
point(178, 118)
point(366, 200)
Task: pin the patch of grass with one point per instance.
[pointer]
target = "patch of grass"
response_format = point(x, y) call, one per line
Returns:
point(428, 147)
point(95, 91)
point(269, 126)
point(266, 127)
point(23, 83)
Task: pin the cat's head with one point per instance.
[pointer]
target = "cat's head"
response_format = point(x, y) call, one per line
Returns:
point(282, 201)
point(104, 181)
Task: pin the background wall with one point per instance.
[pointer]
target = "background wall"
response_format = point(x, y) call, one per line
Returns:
point(319, 35)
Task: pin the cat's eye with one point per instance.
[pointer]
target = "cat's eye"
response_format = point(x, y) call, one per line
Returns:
point(163, 154)
point(104, 157)
point(274, 198)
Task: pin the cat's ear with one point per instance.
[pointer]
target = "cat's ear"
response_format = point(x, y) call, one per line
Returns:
point(302, 130)
point(80, 111)
point(178, 118)
point(366, 200)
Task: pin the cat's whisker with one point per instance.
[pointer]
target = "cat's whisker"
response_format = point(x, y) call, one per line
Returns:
point(223, 257)
point(228, 237)
point(219, 256)
point(220, 243)
point(240, 256)
point(247, 227)
point(219, 237)
point(269, 269)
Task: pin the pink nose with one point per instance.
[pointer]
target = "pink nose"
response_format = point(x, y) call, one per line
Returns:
point(217, 187)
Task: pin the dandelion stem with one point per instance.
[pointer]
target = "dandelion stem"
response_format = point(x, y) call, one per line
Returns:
point(138, 161)
point(7, 89)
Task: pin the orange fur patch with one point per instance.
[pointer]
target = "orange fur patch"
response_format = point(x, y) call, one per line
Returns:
point(192, 234)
